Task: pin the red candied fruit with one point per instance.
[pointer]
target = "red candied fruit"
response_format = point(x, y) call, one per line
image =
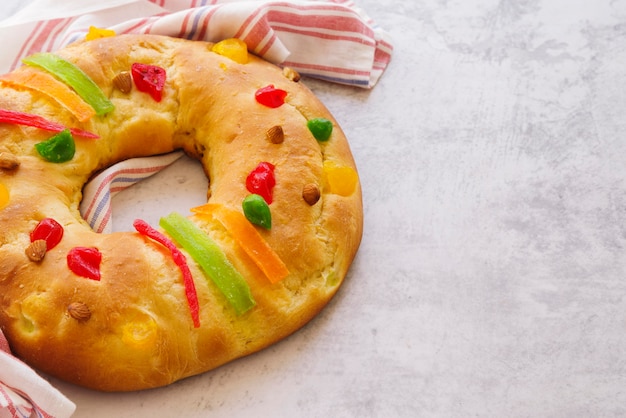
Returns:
point(261, 181)
point(48, 230)
point(85, 262)
point(270, 96)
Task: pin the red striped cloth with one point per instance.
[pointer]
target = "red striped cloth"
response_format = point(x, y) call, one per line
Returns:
point(25, 394)
point(332, 40)
point(97, 194)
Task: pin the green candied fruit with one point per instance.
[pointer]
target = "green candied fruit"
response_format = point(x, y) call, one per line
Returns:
point(74, 77)
point(257, 211)
point(212, 259)
point(321, 128)
point(58, 149)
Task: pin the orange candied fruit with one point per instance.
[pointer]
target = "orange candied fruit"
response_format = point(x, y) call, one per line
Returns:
point(341, 180)
point(232, 48)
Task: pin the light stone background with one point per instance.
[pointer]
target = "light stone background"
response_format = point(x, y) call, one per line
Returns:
point(490, 280)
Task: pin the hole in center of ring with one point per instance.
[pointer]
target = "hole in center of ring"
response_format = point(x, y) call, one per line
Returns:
point(178, 187)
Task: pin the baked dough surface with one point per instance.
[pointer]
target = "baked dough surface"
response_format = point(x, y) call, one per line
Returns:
point(139, 334)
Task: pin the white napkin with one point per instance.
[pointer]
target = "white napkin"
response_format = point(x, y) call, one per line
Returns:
point(23, 393)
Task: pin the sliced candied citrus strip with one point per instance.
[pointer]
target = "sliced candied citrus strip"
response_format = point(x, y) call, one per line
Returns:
point(212, 260)
point(249, 239)
point(74, 77)
point(49, 86)
point(181, 261)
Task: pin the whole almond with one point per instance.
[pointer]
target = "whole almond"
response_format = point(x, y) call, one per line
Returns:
point(79, 311)
point(123, 82)
point(275, 134)
point(291, 74)
point(311, 193)
point(36, 250)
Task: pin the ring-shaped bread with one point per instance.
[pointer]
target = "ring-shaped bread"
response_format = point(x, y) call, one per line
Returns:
point(131, 328)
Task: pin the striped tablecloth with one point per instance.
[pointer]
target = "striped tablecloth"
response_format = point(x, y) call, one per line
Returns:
point(23, 393)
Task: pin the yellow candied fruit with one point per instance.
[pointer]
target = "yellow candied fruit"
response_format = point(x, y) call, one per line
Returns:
point(97, 33)
point(139, 333)
point(232, 48)
point(32, 308)
point(26, 324)
point(341, 180)
point(4, 196)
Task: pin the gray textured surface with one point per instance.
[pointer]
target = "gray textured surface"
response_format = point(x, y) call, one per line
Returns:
point(490, 281)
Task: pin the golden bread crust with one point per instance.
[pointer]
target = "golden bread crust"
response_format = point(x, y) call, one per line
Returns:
point(138, 333)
